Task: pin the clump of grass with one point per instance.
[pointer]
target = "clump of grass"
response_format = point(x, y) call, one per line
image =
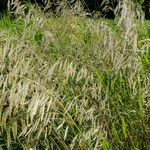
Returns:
point(71, 82)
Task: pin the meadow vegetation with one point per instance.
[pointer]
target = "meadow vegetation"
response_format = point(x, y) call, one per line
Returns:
point(73, 82)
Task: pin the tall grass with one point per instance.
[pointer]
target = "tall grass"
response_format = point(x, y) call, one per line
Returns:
point(73, 83)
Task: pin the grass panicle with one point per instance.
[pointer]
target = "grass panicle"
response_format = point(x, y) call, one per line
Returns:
point(73, 82)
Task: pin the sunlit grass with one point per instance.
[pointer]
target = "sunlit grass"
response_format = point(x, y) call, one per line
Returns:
point(72, 82)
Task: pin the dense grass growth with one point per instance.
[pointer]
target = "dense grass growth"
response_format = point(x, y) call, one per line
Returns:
point(74, 83)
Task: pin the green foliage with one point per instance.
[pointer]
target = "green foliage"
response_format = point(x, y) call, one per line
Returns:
point(73, 82)
point(141, 2)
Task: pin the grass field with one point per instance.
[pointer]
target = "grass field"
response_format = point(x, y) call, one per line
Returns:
point(73, 82)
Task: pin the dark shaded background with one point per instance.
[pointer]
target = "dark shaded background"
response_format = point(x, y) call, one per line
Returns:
point(106, 9)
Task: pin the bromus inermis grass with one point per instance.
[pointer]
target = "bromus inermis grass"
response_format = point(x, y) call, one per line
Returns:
point(73, 82)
